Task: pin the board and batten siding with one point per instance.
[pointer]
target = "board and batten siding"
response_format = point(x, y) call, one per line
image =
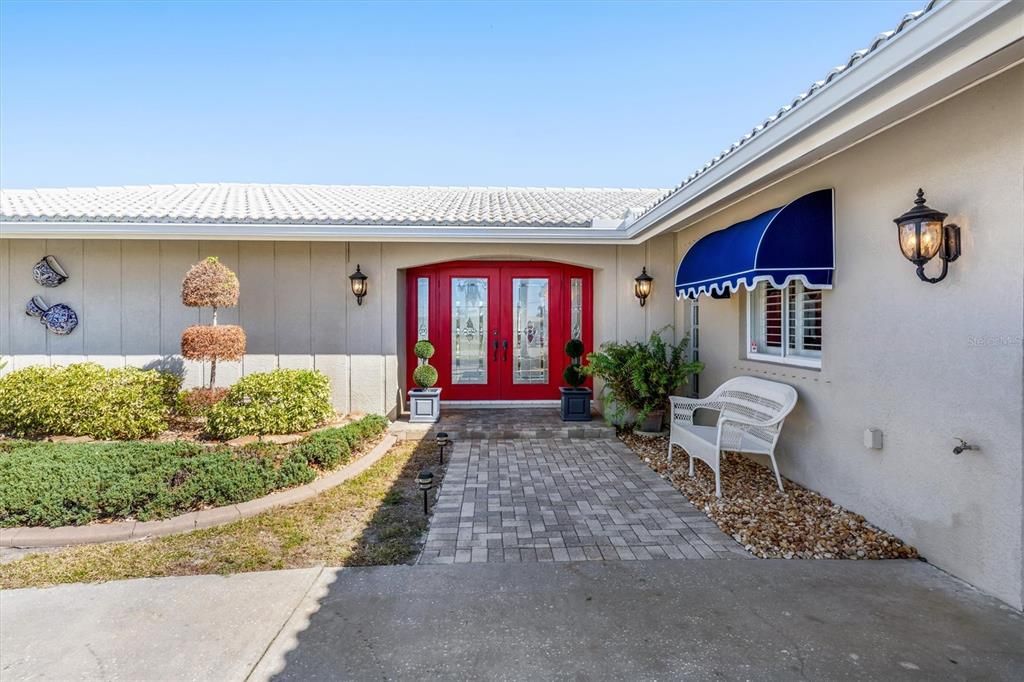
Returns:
point(296, 305)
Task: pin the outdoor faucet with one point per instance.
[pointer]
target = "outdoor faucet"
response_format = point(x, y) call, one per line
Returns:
point(964, 445)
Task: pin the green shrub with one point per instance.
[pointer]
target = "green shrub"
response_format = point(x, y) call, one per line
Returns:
point(281, 401)
point(424, 376)
point(423, 349)
point(86, 399)
point(332, 447)
point(642, 375)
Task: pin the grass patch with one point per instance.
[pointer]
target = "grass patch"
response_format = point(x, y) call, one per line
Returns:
point(375, 518)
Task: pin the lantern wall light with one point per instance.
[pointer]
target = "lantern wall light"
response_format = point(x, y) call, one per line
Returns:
point(642, 285)
point(922, 236)
point(358, 280)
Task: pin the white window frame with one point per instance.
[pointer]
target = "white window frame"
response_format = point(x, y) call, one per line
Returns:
point(793, 360)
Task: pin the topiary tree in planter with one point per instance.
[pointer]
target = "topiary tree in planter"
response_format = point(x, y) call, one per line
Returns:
point(425, 400)
point(211, 284)
point(575, 398)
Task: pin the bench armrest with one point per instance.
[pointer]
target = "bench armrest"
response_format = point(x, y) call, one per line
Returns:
point(683, 408)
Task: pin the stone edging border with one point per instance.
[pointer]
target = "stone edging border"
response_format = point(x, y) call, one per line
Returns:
point(24, 537)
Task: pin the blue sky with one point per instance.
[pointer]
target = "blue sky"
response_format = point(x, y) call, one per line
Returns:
point(552, 94)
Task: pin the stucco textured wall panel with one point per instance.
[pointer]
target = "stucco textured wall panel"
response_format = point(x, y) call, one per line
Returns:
point(925, 363)
point(292, 299)
point(140, 297)
point(28, 337)
point(101, 275)
point(256, 299)
point(5, 302)
point(336, 367)
point(330, 291)
point(70, 254)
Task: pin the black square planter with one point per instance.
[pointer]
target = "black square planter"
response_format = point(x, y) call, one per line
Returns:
point(575, 404)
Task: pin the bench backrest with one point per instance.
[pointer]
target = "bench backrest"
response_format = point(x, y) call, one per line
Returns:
point(758, 400)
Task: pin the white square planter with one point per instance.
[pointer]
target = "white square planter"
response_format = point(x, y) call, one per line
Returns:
point(424, 405)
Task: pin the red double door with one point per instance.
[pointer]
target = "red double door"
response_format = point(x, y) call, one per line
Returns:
point(499, 328)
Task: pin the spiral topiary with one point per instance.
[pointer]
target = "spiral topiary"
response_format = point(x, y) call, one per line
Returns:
point(424, 376)
point(574, 349)
point(424, 350)
point(574, 375)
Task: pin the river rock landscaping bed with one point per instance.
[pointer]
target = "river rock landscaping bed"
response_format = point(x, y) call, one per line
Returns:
point(797, 524)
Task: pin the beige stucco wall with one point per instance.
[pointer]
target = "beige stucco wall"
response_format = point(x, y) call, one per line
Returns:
point(924, 363)
point(295, 305)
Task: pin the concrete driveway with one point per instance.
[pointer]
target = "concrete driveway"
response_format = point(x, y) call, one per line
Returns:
point(586, 620)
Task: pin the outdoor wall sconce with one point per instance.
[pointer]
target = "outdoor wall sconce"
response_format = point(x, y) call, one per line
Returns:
point(642, 284)
point(923, 236)
point(358, 280)
point(425, 481)
point(442, 441)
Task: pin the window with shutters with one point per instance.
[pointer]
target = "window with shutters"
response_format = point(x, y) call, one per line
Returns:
point(784, 325)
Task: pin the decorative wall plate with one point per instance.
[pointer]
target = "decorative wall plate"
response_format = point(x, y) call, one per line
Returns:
point(49, 273)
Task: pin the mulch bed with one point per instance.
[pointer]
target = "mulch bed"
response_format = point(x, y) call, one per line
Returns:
point(797, 524)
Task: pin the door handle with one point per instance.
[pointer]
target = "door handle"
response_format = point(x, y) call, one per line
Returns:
point(496, 350)
point(504, 346)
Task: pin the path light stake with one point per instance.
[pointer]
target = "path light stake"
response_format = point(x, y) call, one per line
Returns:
point(425, 481)
point(442, 441)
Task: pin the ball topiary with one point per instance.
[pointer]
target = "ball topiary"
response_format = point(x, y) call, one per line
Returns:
point(424, 350)
point(210, 284)
point(574, 375)
point(574, 348)
point(424, 376)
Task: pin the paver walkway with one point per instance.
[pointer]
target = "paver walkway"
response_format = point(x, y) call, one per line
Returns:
point(563, 499)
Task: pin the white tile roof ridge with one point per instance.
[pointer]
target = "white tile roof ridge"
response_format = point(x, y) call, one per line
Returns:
point(815, 87)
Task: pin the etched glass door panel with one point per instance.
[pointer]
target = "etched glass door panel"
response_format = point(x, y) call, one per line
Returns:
point(469, 330)
point(530, 330)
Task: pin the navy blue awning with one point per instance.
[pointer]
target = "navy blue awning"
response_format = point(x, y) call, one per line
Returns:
point(794, 242)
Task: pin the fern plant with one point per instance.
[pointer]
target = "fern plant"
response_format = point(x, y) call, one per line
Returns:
point(641, 375)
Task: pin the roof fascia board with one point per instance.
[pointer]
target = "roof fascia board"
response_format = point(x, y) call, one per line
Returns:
point(943, 43)
point(291, 232)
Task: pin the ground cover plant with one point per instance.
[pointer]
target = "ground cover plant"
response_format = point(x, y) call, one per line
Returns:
point(55, 484)
point(375, 518)
point(796, 524)
point(86, 399)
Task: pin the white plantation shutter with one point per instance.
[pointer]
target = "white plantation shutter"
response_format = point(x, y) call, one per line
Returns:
point(804, 320)
point(785, 323)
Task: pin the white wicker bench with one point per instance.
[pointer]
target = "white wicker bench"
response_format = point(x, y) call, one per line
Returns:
point(751, 412)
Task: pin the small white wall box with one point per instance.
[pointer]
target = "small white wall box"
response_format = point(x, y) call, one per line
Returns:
point(873, 439)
